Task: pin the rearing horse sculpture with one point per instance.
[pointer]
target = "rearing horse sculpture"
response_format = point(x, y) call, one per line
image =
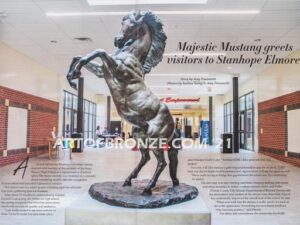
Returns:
point(141, 43)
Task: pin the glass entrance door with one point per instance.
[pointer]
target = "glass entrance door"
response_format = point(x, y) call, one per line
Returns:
point(246, 122)
point(70, 116)
point(242, 129)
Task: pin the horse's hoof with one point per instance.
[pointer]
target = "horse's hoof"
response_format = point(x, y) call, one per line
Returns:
point(74, 86)
point(147, 192)
point(175, 182)
point(76, 74)
point(127, 183)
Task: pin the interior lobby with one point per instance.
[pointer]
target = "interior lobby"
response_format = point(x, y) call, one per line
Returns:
point(37, 48)
point(258, 106)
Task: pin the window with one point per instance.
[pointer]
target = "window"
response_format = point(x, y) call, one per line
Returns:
point(228, 128)
point(89, 119)
point(246, 120)
point(70, 116)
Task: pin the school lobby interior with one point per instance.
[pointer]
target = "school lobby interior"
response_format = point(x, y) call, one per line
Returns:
point(257, 106)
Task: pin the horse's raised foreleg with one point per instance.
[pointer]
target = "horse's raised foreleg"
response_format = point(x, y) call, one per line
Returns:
point(144, 159)
point(94, 68)
point(100, 70)
point(70, 75)
point(161, 164)
point(106, 59)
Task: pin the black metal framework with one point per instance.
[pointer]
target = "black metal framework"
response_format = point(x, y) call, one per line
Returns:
point(210, 120)
point(108, 108)
point(89, 119)
point(246, 120)
point(70, 116)
point(246, 117)
point(80, 102)
point(235, 112)
point(228, 128)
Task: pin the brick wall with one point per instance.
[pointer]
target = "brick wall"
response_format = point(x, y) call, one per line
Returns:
point(273, 128)
point(272, 125)
point(42, 117)
point(3, 125)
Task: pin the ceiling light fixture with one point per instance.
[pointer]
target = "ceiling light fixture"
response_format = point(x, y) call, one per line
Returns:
point(208, 12)
point(205, 12)
point(196, 54)
point(144, 2)
point(3, 14)
point(85, 39)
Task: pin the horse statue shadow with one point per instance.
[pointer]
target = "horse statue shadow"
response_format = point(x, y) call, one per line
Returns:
point(141, 43)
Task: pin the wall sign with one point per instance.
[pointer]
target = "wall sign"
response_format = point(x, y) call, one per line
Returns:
point(179, 100)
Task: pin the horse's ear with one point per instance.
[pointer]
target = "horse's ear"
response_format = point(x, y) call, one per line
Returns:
point(140, 20)
point(139, 17)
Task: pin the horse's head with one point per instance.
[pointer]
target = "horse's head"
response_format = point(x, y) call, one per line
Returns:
point(131, 24)
point(148, 29)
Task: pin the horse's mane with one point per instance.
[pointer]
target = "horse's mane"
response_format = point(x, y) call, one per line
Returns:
point(157, 48)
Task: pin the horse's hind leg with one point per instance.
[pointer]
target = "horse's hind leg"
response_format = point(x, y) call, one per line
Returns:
point(173, 163)
point(144, 159)
point(174, 146)
point(161, 164)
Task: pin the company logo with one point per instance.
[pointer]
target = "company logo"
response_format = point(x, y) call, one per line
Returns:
point(150, 143)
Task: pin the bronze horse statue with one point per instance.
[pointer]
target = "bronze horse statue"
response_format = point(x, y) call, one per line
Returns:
point(141, 43)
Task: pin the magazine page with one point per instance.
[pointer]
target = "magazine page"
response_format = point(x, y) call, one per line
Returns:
point(139, 112)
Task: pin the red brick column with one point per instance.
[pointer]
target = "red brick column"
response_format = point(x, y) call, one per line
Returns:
point(272, 125)
point(3, 126)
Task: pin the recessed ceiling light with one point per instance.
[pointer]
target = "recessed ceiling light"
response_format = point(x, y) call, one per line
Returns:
point(3, 14)
point(87, 39)
point(205, 12)
point(144, 2)
point(208, 12)
point(229, 67)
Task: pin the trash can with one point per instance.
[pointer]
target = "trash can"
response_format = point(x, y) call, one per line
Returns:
point(226, 146)
point(78, 145)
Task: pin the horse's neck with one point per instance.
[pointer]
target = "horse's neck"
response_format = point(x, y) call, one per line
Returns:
point(140, 47)
point(137, 49)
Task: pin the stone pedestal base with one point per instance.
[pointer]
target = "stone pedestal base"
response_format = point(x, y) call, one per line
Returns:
point(163, 195)
point(87, 211)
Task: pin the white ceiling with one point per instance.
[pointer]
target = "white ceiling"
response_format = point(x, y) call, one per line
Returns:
point(27, 29)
